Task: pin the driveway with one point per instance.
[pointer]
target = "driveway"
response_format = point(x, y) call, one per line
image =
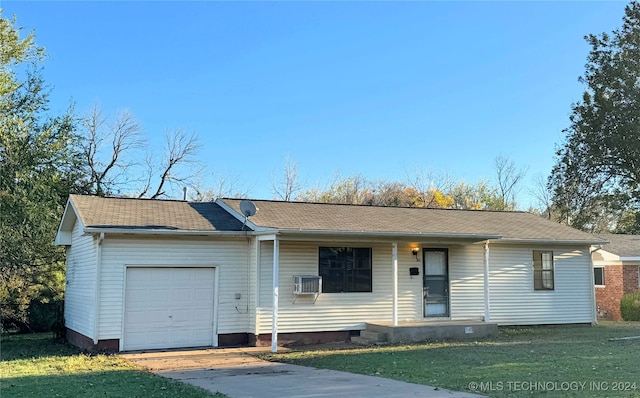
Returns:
point(238, 374)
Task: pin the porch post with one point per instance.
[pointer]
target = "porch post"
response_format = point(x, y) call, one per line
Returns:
point(274, 315)
point(394, 255)
point(487, 311)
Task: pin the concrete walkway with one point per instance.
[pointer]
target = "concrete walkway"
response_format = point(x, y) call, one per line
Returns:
point(238, 374)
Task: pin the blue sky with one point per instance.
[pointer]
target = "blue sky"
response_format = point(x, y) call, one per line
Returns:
point(372, 88)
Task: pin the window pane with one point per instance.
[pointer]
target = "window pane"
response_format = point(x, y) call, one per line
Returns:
point(598, 276)
point(543, 270)
point(435, 262)
point(345, 269)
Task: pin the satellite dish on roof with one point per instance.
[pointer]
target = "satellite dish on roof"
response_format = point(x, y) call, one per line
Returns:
point(248, 208)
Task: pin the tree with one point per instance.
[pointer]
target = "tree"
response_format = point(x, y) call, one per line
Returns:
point(508, 176)
point(111, 148)
point(38, 169)
point(290, 185)
point(596, 178)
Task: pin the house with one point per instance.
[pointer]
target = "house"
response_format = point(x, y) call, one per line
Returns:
point(616, 270)
point(151, 274)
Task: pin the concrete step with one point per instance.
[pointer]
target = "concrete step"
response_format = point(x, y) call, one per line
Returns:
point(374, 336)
point(366, 342)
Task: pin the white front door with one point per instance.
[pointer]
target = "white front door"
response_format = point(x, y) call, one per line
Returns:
point(168, 307)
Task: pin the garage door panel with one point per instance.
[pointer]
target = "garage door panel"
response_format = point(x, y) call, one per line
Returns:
point(168, 308)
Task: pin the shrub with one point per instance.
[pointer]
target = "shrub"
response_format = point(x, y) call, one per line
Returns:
point(630, 307)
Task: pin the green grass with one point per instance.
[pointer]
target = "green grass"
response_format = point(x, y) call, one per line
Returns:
point(34, 366)
point(551, 355)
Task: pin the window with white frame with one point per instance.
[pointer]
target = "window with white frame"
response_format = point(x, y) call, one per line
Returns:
point(543, 269)
point(598, 276)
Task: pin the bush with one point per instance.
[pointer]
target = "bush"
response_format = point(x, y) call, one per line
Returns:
point(630, 307)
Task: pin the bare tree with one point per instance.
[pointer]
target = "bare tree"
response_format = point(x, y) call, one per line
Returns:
point(508, 177)
point(106, 145)
point(180, 150)
point(112, 146)
point(224, 186)
point(543, 194)
point(286, 188)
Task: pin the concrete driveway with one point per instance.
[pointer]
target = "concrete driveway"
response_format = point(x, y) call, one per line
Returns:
point(238, 374)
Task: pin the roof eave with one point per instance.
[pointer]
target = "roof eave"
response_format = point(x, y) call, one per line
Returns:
point(386, 234)
point(168, 232)
point(583, 242)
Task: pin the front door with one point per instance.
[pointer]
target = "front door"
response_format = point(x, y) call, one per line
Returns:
point(436, 282)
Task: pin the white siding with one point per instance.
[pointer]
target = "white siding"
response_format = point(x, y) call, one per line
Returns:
point(514, 300)
point(336, 311)
point(79, 301)
point(466, 281)
point(231, 258)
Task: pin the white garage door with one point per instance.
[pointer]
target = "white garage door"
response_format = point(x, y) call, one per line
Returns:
point(168, 308)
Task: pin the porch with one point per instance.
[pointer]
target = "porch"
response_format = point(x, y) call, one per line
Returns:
point(406, 332)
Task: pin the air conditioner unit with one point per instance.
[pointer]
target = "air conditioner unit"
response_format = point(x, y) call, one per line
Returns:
point(307, 284)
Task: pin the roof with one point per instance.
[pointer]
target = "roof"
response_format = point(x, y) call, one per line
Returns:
point(129, 213)
point(622, 245)
point(99, 214)
point(303, 216)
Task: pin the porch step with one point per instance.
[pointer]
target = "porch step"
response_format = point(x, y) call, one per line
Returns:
point(369, 338)
point(373, 336)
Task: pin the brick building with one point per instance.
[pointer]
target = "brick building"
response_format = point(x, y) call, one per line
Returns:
point(616, 271)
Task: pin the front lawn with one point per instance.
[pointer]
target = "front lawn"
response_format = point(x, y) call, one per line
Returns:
point(521, 361)
point(34, 366)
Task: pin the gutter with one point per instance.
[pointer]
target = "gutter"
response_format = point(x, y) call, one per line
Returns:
point(381, 234)
point(550, 241)
point(134, 231)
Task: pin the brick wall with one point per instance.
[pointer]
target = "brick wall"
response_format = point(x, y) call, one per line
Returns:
point(608, 297)
point(630, 278)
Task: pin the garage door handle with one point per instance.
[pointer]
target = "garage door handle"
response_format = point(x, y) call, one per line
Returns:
point(170, 316)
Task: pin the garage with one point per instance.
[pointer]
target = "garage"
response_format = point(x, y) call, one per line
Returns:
point(168, 307)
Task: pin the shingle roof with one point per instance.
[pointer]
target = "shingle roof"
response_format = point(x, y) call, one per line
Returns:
point(128, 213)
point(353, 218)
point(146, 214)
point(622, 245)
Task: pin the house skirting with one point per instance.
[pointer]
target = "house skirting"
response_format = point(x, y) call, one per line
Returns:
point(301, 338)
point(86, 343)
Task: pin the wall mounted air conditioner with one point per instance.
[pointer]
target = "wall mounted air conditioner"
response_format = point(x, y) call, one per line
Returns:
point(307, 285)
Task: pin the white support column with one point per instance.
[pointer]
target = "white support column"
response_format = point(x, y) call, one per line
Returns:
point(394, 255)
point(274, 316)
point(487, 310)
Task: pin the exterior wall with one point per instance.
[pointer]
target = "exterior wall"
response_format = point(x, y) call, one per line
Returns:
point(618, 280)
point(231, 257)
point(335, 311)
point(608, 296)
point(466, 275)
point(80, 298)
point(514, 300)
point(631, 278)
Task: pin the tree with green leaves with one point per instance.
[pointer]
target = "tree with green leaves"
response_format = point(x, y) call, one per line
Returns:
point(596, 178)
point(38, 163)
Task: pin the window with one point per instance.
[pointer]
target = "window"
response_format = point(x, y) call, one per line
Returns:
point(542, 270)
point(598, 276)
point(345, 269)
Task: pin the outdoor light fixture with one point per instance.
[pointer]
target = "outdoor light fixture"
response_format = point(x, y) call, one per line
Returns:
point(415, 251)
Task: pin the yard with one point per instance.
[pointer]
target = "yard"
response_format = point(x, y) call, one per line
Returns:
point(522, 361)
point(34, 366)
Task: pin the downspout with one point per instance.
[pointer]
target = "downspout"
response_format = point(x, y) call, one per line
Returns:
point(487, 307)
point(96, 316)
point(274, 315)
point(394, 255)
